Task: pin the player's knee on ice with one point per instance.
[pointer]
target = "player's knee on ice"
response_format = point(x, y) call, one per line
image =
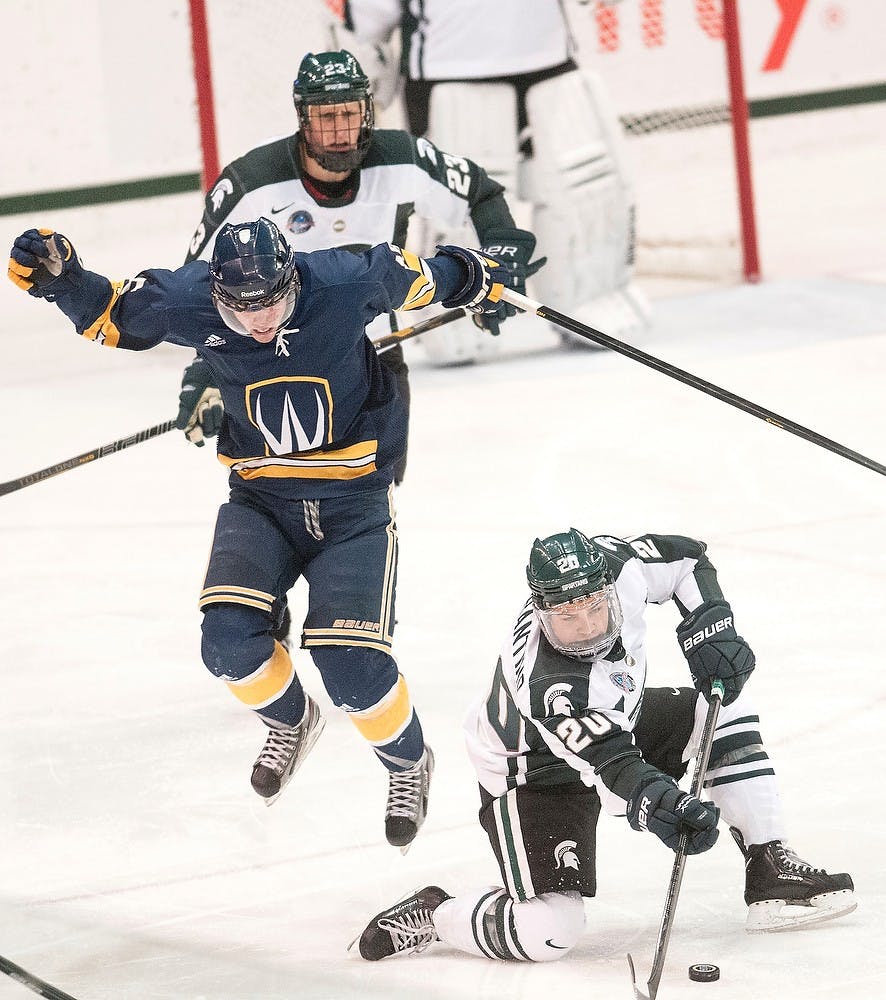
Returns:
point(541, 929)
point(237, 640)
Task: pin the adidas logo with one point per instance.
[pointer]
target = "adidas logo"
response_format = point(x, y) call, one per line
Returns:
point(214, 341)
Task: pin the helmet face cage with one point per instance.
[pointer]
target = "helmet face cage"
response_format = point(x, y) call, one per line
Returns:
point(252, 268)
point(585, 627)
point(574, 594)
point(325, 80)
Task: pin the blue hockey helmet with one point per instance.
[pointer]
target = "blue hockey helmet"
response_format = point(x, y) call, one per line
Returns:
point(252, 267)
point(327, 78)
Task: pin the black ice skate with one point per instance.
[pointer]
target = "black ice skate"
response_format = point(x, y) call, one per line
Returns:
point(783, 892)
point(408, 801)
point(284, 750)
point(405, 928)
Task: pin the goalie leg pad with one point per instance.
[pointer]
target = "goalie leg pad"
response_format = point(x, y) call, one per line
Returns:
point(477, 120)
point(579, 183)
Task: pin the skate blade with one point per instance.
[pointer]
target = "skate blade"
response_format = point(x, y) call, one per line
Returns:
point(768, 916)
point(309, 745)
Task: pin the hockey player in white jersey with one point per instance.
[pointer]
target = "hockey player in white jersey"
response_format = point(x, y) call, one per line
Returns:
point(500, 83)
point(340, 182)
point(568, 725)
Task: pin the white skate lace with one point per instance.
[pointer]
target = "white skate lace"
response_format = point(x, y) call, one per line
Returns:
point(404, 792)
point(279, 749)
point(411, 932)
point(793, 863)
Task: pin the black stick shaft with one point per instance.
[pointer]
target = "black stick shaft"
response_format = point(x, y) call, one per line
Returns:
point(670, 907)
point(687, 378)
point(39, 986)
point(85, 458)
point(408, 332)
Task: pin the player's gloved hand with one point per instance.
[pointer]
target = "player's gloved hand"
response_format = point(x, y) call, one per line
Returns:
point(513, 249)
point(658, 805)
point(488, 275)
point(40, 257)
point(714, 650)
point(200, 406)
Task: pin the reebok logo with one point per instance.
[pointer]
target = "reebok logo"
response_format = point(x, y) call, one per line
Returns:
point(214, 341)
point(707, 632)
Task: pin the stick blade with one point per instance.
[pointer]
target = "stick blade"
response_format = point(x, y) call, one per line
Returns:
point(638, 993)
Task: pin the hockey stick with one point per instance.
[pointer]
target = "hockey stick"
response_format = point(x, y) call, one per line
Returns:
point(589, 333)
point(85, 458)
point(408, 332)
point(382, 344)
point(40, 987)
point(670, 907)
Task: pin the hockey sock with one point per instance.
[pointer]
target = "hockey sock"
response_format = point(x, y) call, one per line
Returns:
point(489, 923)
point(273, 690)
point(392, 727)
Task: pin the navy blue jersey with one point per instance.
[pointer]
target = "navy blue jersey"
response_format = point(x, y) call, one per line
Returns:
point(310, 415)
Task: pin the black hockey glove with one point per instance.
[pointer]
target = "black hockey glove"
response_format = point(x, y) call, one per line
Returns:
point(658, 805)
point(488, 274)
point(200, 406)
point(714, 650)
point(40, 257)
point(513, 249)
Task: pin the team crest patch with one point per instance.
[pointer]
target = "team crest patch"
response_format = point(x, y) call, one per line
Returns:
point(556, 700)
point(300, 222)
point(622, 680)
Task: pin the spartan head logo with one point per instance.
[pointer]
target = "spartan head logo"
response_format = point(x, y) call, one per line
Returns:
point(565, 856)
point(218, 193)
point(557, 700)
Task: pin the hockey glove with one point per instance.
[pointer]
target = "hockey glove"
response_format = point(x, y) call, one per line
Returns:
point(658, 805)
point(39, 258)
point(200, 406)
point(714, 650)
point(487, 275)
point(513, 249)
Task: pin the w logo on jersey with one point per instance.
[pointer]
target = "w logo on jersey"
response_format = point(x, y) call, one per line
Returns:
point(293, 414)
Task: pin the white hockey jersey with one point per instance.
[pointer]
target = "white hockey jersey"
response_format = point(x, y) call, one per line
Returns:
point(466, 39)
point(399, 176)
point(551, 719)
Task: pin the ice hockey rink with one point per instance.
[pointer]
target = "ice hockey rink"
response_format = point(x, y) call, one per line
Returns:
point(137, 863)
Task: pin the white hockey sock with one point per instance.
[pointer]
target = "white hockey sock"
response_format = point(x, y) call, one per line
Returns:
point(487, 922)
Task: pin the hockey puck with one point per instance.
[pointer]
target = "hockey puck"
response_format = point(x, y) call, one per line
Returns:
point(704, 973)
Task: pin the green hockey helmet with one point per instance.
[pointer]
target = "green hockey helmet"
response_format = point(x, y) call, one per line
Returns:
point(333, 78)
point(574, 594)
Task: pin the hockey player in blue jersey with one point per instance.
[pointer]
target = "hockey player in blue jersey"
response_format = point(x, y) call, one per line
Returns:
point(312, 430)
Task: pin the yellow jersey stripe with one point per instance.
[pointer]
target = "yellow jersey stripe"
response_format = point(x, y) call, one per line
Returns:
point(103, 329)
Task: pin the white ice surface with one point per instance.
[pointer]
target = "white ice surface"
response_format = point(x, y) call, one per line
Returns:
point(136, 861)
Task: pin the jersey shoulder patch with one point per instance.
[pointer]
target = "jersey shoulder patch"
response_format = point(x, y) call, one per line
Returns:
point(648, 548)
point(390, 147)
point(272, 163)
